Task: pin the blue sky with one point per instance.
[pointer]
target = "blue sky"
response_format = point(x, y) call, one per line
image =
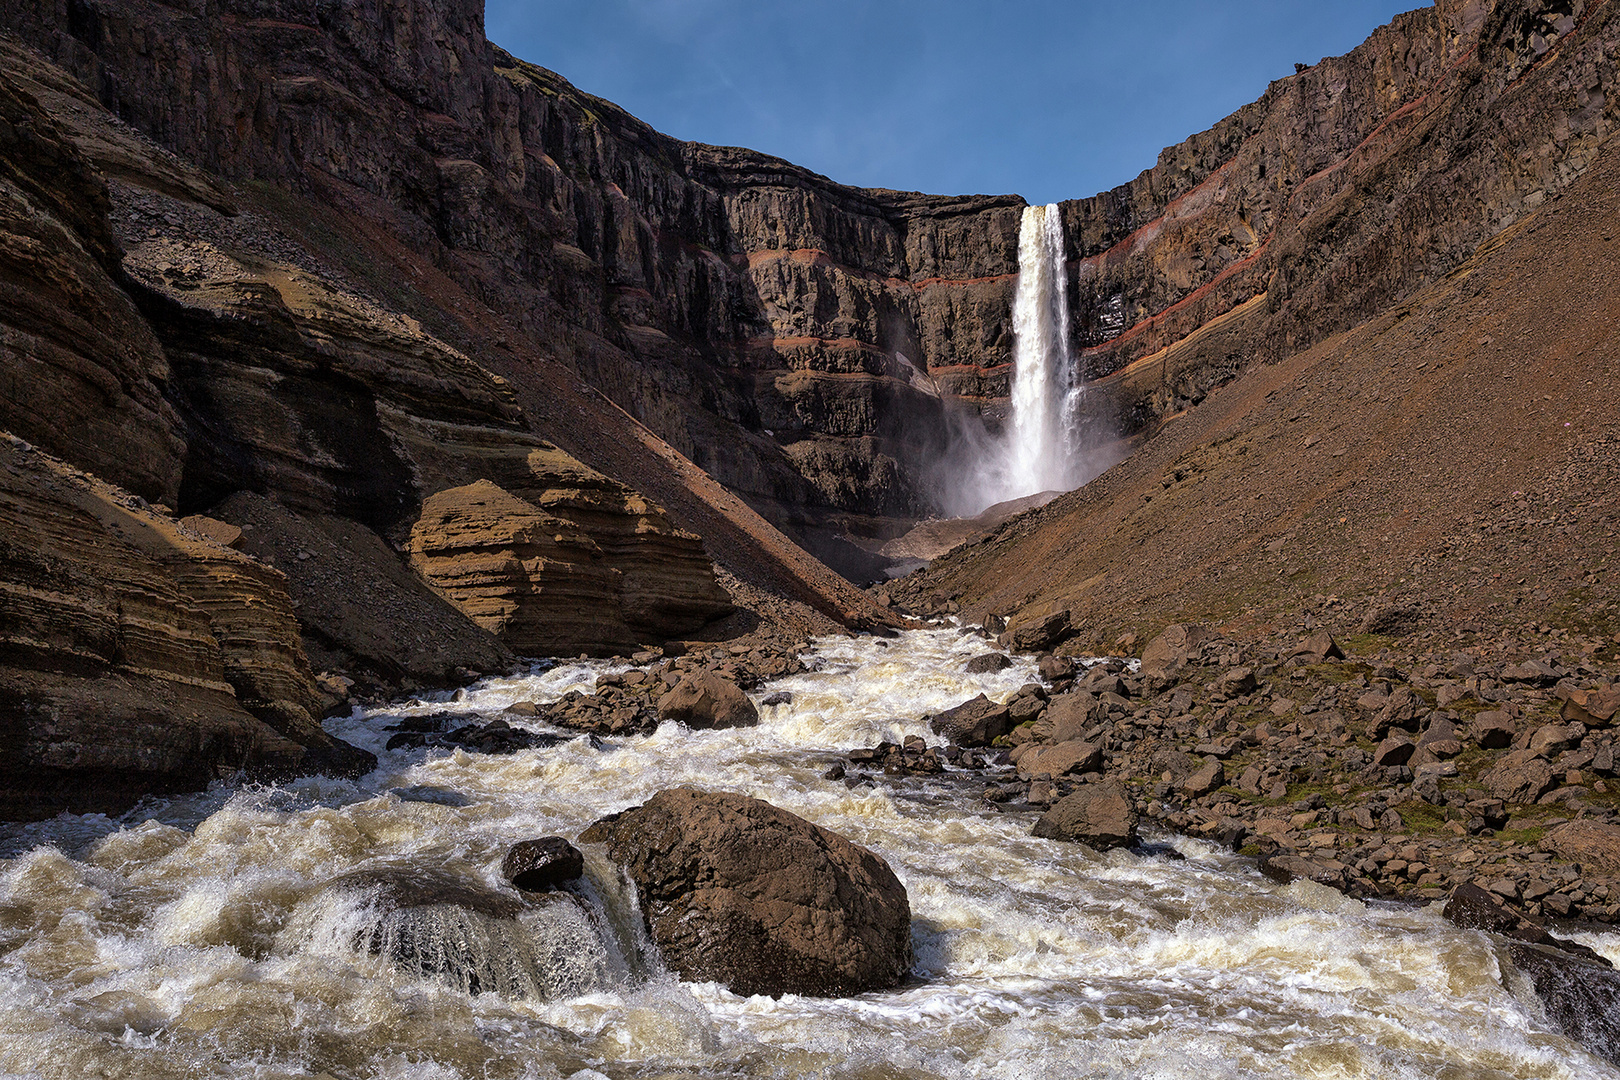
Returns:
point(1049, 100)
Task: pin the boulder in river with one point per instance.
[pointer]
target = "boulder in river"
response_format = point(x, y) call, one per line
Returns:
point(437, 925)
point(542, 865)
point(740, 892)
point(978, 722)
point(1099, 815)
point(704, 700)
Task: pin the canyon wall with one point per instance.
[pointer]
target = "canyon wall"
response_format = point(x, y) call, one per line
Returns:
point(808, 344)
point(800, 341)
point(1340, 192)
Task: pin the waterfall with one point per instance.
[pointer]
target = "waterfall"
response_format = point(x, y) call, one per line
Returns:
point(1045, 387)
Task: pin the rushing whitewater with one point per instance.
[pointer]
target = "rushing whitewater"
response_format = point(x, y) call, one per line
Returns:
point(205, 937)
point(1045, 387)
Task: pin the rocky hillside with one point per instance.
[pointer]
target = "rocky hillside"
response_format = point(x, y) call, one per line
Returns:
point(1336, 195)
point(1446, 470)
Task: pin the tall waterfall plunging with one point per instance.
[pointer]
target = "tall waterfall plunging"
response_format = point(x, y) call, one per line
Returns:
point(1041, 452)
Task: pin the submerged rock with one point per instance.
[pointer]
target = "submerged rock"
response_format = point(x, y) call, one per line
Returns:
point(738, 891)
point(439, 926)
point(1578, 988)
point(542, 865)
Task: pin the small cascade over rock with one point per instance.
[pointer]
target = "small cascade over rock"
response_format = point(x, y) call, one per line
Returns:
point(475, 939)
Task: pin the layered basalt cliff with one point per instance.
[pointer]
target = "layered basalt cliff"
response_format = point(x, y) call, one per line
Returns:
point(1340, 192)
point(808, 344)
point(801, 341)
point(136, 654)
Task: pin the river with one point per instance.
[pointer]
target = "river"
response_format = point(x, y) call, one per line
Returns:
point(190, 939)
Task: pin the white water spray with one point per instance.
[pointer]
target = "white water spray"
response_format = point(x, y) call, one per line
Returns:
point(1042, 447)
point(1041, 453)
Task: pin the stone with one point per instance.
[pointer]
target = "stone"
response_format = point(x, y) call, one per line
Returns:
point(1494, 730)
point(988, 663)
point(1024, 708)
point(1550, 740)
point(1100, 815)
point(1062, 759)
point(1593, 844)
point(1286, 868)
point(1533, 672)
point(1579, 988)
point(1392, 619)
point(1036, 634)
point(1206, 780)
point(1169, 652)
point(740, 892)
point(1395, 750)
point(435, 924)
point(977, 722)
point(542, 865)
point(1055, 668)
point(1520, 777)
point(1237, 682)
point(704, 700)
point(1580, 996)
point(1594, 708)
point(1317, 648)
point(1402, 710)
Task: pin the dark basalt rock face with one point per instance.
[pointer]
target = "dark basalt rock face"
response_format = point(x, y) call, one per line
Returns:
point(737, 891)
point(1578, 988)
point(542, 865)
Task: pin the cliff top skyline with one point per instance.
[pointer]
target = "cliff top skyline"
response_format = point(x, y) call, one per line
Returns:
point(1047, 100)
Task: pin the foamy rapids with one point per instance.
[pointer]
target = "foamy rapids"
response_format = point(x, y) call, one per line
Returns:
point(195, 937)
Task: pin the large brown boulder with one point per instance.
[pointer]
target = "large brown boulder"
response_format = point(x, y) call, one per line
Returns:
point(1521, 777)
point(1072, 714)
point(703, 699)
point(1062, 759)
point(978, 722)
point(737, 891)
point(1098, 815)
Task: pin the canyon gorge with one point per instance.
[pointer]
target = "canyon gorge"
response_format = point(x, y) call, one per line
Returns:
point(393, 434)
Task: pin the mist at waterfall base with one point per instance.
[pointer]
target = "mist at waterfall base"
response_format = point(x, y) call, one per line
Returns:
point(246, 933)
point(1046, 444)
